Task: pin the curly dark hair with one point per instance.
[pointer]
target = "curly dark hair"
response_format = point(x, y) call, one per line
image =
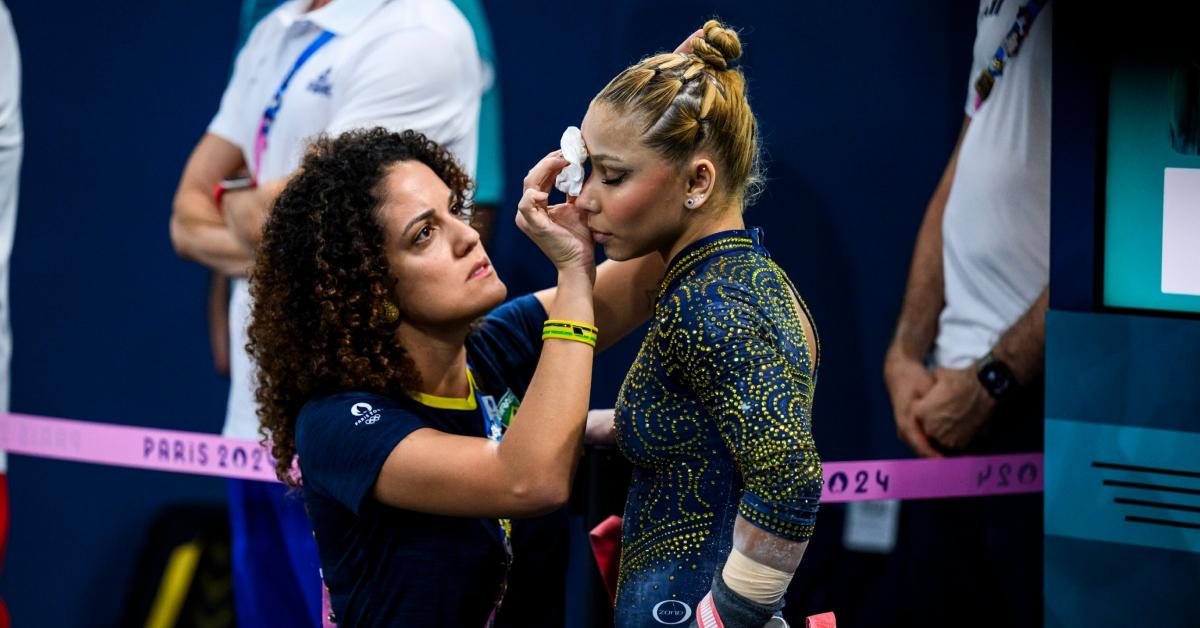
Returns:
point(321, 275)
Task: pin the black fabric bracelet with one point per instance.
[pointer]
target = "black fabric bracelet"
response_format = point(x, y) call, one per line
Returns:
point(735, 610)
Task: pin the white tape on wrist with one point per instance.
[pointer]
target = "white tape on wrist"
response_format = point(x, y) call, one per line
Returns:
point(753, 580)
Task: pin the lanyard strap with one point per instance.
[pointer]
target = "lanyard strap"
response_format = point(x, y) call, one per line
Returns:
point(493, 429)
point(1007, 49)
point(268, 116)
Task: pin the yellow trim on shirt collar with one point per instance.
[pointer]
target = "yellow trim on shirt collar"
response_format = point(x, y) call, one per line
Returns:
point(449, 403)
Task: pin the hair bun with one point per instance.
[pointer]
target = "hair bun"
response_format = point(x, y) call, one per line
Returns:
point(718, 46)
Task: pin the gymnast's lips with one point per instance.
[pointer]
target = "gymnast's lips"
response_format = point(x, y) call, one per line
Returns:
point(600, 237)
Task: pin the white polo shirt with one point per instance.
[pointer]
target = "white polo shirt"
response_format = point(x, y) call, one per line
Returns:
point(996, 228)
point(12, 141)
point(401, 64)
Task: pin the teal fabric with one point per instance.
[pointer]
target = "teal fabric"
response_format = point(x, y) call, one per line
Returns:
point(489, 173)
point(253, 11)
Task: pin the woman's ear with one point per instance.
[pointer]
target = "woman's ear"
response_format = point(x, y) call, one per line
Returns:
point(702, 181)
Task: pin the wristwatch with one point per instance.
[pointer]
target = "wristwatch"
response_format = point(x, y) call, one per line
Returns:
point(231, 185)
point(997, 379)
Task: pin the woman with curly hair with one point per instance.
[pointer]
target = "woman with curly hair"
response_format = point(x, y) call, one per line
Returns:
point(377, 374)
point(715, 413)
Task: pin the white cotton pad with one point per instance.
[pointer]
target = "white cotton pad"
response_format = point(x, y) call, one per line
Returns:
point(570, 180)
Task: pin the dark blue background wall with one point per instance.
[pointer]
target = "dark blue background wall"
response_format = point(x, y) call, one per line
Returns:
point(859, 105)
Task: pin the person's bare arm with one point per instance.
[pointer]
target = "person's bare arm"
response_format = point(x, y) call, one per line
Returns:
point(904, 369)
point(246, 211)
point(531, 470)
point(198, 231)
point(1023, 346)
point(218, 321)
point(924, 295)
point(958, 407)
point(773, 551)
point(600, 429)
point(625, 293)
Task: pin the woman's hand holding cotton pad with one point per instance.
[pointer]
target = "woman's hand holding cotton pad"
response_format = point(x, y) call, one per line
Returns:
point(570, 180)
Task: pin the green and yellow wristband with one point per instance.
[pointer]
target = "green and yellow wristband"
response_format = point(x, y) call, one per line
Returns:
point(570, 330)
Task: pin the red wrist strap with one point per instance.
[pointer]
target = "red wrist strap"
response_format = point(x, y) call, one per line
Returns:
point(706, 613)
point(218, 192)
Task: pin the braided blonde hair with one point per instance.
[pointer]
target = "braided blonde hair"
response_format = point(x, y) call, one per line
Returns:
point(693, 102)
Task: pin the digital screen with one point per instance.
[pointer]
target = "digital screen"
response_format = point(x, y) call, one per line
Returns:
point(1152, 186)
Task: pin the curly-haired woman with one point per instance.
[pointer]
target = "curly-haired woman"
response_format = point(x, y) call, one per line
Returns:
point(376, 370)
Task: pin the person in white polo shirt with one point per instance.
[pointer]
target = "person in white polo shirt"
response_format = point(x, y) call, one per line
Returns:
point(964, 370)
point(309, 67)
point(12, 141)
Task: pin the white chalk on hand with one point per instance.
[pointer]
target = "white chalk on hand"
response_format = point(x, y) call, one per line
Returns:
point(570, 180)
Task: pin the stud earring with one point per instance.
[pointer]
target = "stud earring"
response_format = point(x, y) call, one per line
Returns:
point(389, 312)
point(690, 202)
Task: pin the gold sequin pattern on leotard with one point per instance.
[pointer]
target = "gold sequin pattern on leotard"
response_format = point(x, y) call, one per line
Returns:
point(718, 400)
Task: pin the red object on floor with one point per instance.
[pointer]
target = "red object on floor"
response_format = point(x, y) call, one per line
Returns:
point(606, 546)
point(5, 620)
point(824, 620)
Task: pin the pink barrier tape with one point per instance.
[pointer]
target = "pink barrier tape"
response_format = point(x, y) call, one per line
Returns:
point(139, 447)
point(931, 478)
point(213, 455)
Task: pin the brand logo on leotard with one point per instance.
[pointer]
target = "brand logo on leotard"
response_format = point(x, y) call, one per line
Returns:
point(671, 612)
point(365, 413)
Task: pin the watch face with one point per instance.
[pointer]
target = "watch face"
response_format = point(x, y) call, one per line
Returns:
point(996, 379)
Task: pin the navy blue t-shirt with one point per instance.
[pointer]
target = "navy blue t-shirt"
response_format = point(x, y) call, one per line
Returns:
point(387, 566)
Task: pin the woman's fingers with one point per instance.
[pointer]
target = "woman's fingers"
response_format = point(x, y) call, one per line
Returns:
point(686, 46)
point(535, 197)
point(566, 214)
point(541, 176)
point(532, 210)
point(536, 218)
point(532, 200)
point(571, 218)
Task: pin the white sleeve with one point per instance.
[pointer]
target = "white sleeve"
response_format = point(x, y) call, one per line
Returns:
point(12, 140)
point(10, 84)
point(416, 79)
point(977, 64)
point(969, 107)
point(231, 119)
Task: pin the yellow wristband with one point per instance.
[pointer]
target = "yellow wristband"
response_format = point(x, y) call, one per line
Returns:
point(570, 325)
point(550, 331)
point(566, 335)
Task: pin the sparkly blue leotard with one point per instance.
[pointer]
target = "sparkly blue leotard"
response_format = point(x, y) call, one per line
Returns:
point(715, 417)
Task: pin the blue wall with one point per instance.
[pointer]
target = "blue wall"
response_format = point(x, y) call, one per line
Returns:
point(108, 324)
point(859, 106)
